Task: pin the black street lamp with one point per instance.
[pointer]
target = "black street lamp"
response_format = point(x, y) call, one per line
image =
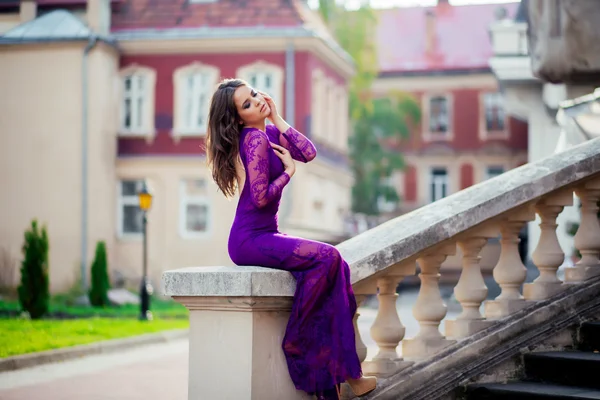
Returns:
point(145, 199)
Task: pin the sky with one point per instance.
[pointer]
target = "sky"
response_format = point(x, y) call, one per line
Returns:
point(410, 3)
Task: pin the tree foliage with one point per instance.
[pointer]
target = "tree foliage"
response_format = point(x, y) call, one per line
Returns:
point(376, 123)
point(34, 291)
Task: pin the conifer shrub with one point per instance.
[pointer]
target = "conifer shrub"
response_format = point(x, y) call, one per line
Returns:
point(34, 291)
point(98, 293)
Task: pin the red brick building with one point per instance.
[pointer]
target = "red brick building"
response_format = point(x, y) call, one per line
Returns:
point(441, 56)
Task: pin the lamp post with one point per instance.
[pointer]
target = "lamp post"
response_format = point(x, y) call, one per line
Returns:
point(145, 200)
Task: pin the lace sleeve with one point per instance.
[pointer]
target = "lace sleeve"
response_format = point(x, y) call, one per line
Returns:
point(300, 147)
point(256, 146)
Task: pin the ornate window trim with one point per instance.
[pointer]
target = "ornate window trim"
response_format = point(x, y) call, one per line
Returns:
point(180, 98)
point(428, 135)
point(245, 72)
point(146, 127)
point(484, 133)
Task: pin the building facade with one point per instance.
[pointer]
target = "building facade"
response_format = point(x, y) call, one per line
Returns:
point(465, 136)
point(117, 92)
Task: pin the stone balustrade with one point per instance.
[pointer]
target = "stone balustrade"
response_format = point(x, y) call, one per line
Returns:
point(238, 314)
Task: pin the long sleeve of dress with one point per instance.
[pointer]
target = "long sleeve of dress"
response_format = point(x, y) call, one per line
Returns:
point(300, 147)
point(262, 192)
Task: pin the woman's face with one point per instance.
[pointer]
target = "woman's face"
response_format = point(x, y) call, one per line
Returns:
point(251, 105)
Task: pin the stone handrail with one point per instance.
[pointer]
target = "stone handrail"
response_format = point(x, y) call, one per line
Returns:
point(404, 237)
point(238, 314)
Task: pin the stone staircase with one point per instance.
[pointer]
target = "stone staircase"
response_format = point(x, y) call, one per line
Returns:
point(554, 375)
point(238, 315)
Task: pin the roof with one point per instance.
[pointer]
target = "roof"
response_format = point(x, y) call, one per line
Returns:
point(59, 25)
point(135, 14)
point(185, 19)
point(462, 40)
point(42, 3)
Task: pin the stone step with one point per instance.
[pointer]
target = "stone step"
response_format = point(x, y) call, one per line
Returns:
point(571, 368)
point(527, 391)
point(589, 335)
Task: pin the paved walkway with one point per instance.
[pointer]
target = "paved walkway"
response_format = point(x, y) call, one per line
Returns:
point(153, 372)
point(145, 373)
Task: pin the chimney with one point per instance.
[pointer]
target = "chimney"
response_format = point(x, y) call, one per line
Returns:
point(27, 10)
point(429, 31)
point(98, 15)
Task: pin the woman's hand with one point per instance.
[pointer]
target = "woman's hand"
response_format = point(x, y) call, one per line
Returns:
point(286, 159)
point(274, 114)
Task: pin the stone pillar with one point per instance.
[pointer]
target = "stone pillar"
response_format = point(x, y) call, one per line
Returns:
point(429, 308)
point(238, 317)
point(27, 10)
point(387, 330)
point(361, 348)
point(470, 290)
point(548, 254)
point(98, 15)
point(510, 273)
point(587, 238)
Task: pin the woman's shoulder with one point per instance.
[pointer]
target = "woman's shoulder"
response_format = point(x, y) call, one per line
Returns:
point(253, 134)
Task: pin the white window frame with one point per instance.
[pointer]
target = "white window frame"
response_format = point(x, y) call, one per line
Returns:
point(331, 111)
point(428, 135)
point(147, 128)
point(185, 200)
point(126, 201)
point(262, 67)
point(317, 111)
point(439, 179)
point(484, 133)
point(344, 119)
point(182, 98)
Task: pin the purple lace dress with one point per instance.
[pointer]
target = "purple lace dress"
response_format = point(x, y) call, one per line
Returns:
point(319, 340)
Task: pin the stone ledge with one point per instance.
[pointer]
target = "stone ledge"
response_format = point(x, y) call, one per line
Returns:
point(228, 281)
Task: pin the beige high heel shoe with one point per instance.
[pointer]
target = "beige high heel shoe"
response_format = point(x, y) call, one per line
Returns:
point(362, 385)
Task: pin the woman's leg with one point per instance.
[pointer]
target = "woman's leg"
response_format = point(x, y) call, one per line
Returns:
point(319, 342)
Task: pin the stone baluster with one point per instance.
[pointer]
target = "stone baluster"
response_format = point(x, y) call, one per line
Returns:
point(429, 308)
point(587, 238)
point(510, 273)
point(548, 254)
point(471, 290)
point(361, 348)
point(387, 330)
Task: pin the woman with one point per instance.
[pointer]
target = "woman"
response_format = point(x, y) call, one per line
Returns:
point(257, 159)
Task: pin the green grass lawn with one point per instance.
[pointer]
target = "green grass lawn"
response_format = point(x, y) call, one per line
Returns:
point(21, 336)
point(62, 305)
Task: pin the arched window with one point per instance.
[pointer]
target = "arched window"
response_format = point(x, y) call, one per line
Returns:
point(137, 101)
point(194, 85)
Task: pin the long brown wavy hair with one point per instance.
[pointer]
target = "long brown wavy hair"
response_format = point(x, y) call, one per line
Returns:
point(222, 139)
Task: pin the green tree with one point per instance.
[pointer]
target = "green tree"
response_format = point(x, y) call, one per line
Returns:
point(98, 293)
point(34, 292)
point(377, 123)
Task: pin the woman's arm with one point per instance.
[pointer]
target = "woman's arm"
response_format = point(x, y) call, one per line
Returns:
point(256, 146)
point(299, 146)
